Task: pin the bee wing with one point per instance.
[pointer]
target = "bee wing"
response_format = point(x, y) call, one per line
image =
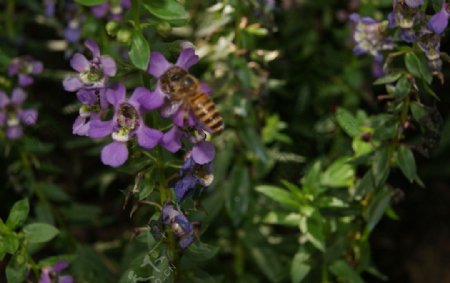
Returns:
point(170, 108)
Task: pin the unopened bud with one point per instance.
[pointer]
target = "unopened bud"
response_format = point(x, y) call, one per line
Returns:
point(124, 36)
point(163, 28)
point(112, 27)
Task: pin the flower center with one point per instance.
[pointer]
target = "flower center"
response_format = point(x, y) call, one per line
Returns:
point(25, 67)
point(11, 115)
point(95, 74)
point(127, 121)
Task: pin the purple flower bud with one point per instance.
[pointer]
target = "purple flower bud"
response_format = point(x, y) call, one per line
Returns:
point(24, 67)
point(52, 274)
point(179, 224)
point(439, 21)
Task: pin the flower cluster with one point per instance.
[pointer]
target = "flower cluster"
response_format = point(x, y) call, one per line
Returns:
point(12, 115)
point(371, 36)
point(99, 97)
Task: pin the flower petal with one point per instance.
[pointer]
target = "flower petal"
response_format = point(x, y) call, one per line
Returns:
point(86, 96)
point(65, 279)
point(439, 21)
point(18, 96)
point(72, 83)
point(184, 186)
point(80, 127)
point(147, 137)
point(100, 129)
point(25, 80)
point(108, 65)
point(14, 133)
point(203, 152)
point(4, 99)
point(101, 10)
point(137, 94)
point(114, 154)
point(60, 266)
point(72, 34)
point(172, 139)
point(38, 67)
point(93, 47)
point(116, 95)
point(153, 100)
point(79, 63)
point(45, 276)
point(158, 65)
point(186, 241)
point(187, 58)
point(29, 116)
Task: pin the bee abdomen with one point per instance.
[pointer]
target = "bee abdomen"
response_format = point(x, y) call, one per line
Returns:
point(204, 109)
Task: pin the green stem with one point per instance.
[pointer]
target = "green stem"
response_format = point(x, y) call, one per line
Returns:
point(9, 17)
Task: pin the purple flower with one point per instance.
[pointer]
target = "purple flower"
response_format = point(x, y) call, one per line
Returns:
point(196, 170)
point(92, 73)
point(160, 68)
point(12, 114)
point(112, 9)
point(24, 67)
point(181, 227)
point(74, 17)
point(127, 123)
point(94, 105)
point(438, 22)
point(49, 7)
point(405, 13)
point(369, 36)
point(52, 274)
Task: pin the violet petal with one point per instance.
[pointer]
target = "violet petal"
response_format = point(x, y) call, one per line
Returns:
point(114, 154)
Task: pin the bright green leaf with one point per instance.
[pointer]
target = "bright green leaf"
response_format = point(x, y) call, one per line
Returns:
point(344, 272)
point(19, 214)
point(299, 267)
point(377, 207)
point(90, 2)
point(389, 78)
point(168, 10)
point(279, 195)
point(140, 51)
point(40, 232)
point(339, 174)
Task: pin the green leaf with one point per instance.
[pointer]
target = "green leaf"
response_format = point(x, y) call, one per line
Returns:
point(437, 5)
point(407, 163)
point(417, 111)
point(16, 270)
point(268, 262)
point(402, 88)
point(344, 272)
point(412, 63)
point(377, 207)
point(389, 78)
point(237, 194)
point(279, 195)
point(348, 122)
point(90, 2)
point(315, 231)
point(339, 174)
point(282, 218)
point(40, 232)
point(140, 51)
point(198, 252)
point(380, 166)
point(19, 214)
point(168, 10)
point(53, 192)
point(299, 266)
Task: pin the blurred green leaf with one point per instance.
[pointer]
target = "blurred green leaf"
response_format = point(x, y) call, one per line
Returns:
point(18, 214)
point(279, 195)
point(315, 230)
point(282, 218)
point(418, 67)
point(140, 51)
point(16, 270)
point(40, 232)
point(53, 192)
point(348, 122)
point(197, 253)
point(339, 174)
point(377, 207)
point(90, 2)
point(380, 166)
point(299, 266)
point(389, 78)
point(344, 272)
point(237, 193)
point(407, 163)
point(168, 10)
point(437, 5)
point(402, 88)
point(268, 262)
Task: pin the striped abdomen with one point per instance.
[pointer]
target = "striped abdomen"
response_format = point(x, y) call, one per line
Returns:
point(205, 111)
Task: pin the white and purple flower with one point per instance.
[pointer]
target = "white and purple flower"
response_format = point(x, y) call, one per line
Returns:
point(126, 124)
point(52, 273)
point(370, 36)
point(94, 105)
point(24, 67)
point(180, 225)
point(92, 73)
point(12, 115)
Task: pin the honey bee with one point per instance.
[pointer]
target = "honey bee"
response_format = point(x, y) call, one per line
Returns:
point(184, 90)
